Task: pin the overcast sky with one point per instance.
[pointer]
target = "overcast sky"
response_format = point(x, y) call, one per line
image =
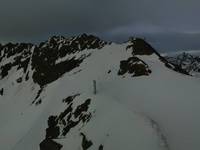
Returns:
point(167, 24)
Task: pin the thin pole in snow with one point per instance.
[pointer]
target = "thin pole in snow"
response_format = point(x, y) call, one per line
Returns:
point(94, 87)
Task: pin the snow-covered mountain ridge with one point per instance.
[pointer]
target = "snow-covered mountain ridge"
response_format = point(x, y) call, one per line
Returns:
point(47, 97)
point(189, 61)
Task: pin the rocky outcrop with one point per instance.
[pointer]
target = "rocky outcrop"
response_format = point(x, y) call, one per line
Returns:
point(14, 55)
point(134, 66)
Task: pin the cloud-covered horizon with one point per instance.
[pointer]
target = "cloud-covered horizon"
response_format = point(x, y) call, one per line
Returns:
point(35, 20)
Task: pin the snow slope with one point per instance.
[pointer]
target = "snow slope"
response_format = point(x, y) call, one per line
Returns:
point(153, 111)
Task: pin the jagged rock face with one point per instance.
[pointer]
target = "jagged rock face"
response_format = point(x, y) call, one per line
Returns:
point(187, 62)
point(140, 47)
point(68, 119)
point(134, 66)
point(86, 144)
point(45, 57)
point(15, 55)
point(46, 69)
point(72, 45)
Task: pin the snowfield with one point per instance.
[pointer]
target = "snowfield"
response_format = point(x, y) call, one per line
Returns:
point(159, 111)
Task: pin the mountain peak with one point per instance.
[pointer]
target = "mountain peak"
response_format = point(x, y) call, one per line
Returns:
point(140, 46)
point(55, 38)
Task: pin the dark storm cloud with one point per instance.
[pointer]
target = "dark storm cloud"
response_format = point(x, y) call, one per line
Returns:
point(33, 20)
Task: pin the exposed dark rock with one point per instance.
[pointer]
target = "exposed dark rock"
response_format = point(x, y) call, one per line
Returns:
point(38, 102)
point(19, 80)
point(45, 56)
point(69, 99)
point(27, 76)
point(1, 91)
point(69, 117)
point(5, 69)
point(66, 119)
point(66, 112)
point(85, 117)
point(82, 108)
point(49, 144)
point(52, 121)
point(38, 94)
point(140, 47)
point(101, 147)
point(70, 124)
point(53, 131)
point(24, 64)
point(85, 142)
point(19, 55)
point(80, 113)
point(134, 66)
point(46, 69)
